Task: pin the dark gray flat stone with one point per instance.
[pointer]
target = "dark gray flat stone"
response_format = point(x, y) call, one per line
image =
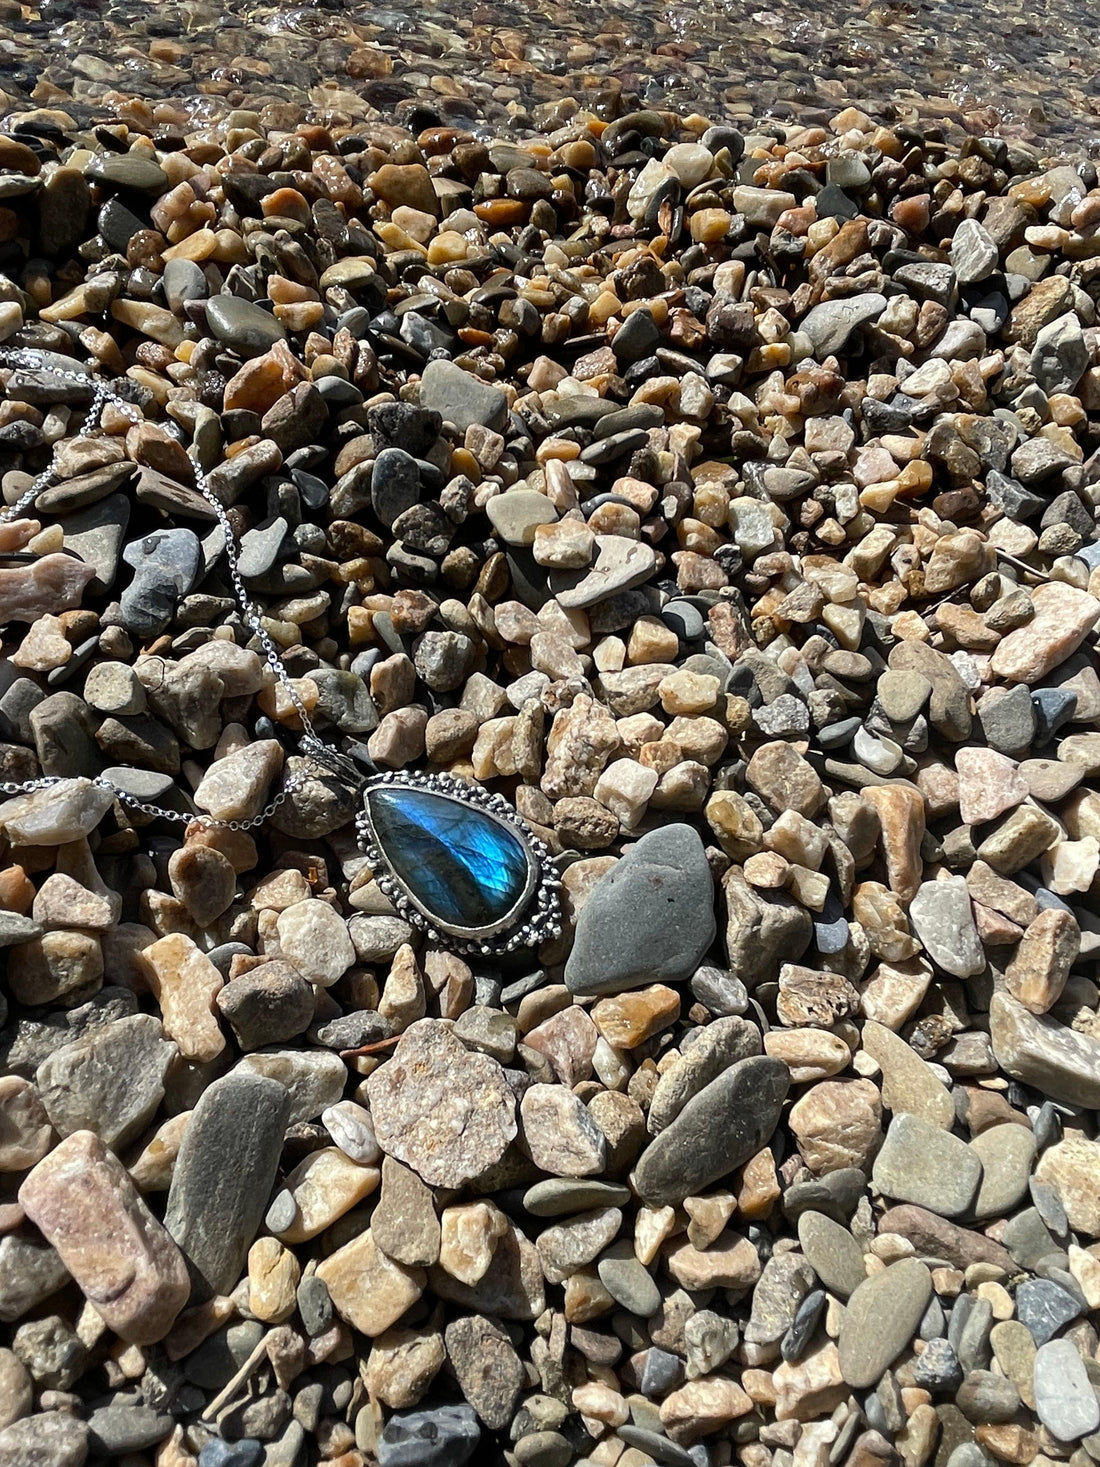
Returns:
point(223, 1176)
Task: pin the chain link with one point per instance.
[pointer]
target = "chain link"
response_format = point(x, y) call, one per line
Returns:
point(311, 745)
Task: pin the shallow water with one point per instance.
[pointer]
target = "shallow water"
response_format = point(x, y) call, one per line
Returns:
point(977, 65)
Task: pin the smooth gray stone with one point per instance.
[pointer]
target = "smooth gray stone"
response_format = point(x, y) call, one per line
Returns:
point(659, 1447)
point(110, 1080)
point(649, 920)
point(882, 1317)
point(721, 1127)
point(129, 170)
point(218, 1358)
point(830, 324)
point(832, 1253)
point(223, 1177)
point(183, 281)
point(628, 1281)
point(30, 1271)
point(715, 1047)
point(560, 1196)
point(116, 1430)
point(15, 929)
point(922, 1163)
point(1065, 1400)
point(1006, 1153)
point(243, 326)
point(461, 398)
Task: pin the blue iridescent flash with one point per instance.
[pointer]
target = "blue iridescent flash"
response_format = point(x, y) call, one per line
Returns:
point(459, 861)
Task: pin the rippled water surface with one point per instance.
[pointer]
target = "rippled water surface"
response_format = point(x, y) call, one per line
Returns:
point(981, 65)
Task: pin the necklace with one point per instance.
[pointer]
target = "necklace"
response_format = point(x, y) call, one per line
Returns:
point(455, 860)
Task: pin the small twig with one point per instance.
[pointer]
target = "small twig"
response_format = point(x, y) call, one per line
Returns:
point(374, 1048)
point(229, 1390)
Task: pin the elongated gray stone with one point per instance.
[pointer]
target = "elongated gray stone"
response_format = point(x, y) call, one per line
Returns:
point(882, 1317)
point(832, 1252)
point(721, 1127)
point(223, 1176)
point(1065, 1401)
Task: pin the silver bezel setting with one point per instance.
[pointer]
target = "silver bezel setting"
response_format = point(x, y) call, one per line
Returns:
point(537, 912)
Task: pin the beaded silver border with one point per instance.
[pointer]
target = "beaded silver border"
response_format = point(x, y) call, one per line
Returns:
point(538, 910)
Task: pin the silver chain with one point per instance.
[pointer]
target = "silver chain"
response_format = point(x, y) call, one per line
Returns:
point(311, 745)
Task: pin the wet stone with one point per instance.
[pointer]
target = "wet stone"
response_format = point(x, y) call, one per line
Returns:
point(246, 328)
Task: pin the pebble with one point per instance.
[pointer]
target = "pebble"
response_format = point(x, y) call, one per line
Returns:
point(439, 1436)
point(1065, 1400)
point(881, 1318)
point(832, 1252)
point(443, 1110)
point(246, 328)
point(123, 1260)
point(223, 1175)
point(722, 1126)
point(651, 918)
point(921, 1163)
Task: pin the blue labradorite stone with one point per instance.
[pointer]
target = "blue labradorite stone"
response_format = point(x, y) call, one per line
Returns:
point(465, 868)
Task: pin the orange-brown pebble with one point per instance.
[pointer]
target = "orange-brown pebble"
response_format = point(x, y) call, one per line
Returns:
point(629, 1019)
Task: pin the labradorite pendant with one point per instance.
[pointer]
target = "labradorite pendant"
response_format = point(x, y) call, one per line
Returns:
point(459, 862)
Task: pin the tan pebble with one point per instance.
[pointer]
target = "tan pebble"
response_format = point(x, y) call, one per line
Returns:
point(185, 984)
point(469, 1235)
point(325, 1185)
point(730, 1262)
point(25, 1130)
point(810, 1387)
point(810, 1054)
point(151, 1171)
point(314, 937)
point(369, 1290)
point(1070, 1167)
point(652, 1227)
point(837, 1123)
point(760, 1189)
point(709, 1215)
point(60, 967)
point(1040, 966)
point(702, 1407)
point(273, 1275)
point(402, 1364)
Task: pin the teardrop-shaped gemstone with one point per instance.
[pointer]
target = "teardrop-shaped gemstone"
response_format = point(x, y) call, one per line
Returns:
point(466, 868)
